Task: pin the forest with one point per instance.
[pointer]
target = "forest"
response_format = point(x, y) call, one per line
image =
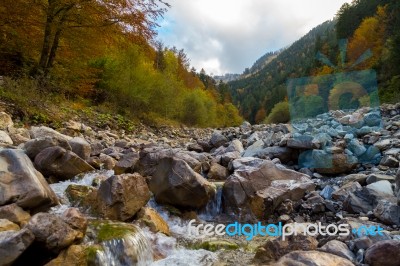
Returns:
point(364, 24)
point(103, 55)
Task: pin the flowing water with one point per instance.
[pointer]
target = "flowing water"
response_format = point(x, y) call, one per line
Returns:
point(144, 247)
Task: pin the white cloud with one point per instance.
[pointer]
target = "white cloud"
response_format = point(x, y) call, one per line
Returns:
point(227, 36)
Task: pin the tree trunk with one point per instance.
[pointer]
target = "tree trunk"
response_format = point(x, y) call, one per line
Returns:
point(44, 56)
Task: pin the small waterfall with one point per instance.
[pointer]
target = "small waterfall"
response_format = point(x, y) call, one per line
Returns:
point(87, 180)
point(132, 249)
point(213, 208)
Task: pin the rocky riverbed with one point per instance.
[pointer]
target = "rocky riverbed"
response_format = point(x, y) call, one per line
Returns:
point(86, 196)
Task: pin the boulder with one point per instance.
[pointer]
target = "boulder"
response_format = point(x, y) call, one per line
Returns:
point(153, 220)
point(284, 154)
point(389, 161)
point(254, 149)
point(388, 212)
point(53, 232)
point(383, 253)
point(314, 258)
point(34, 146)
point(235, 145)
point(149, 157)
point(5, 121)
point(107, 162)
point(274, 249)
point(41, 132)
point(259, 190)
point(15, 214)
point(20, 183)
point(301, 142)
point(338, 248)
point(174, 182)
point(126, 163)
point(75, 219)
point(80, 147)
point(381, 189)
point(217, 172)
point(60, 163)
point(386, 144)
point(13, 244)
point(343, 192)
point(5, 138)
point(120, 197)
point(217, 139)
point(333, 164)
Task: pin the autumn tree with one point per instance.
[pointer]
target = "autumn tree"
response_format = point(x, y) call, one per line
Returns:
point(131, 16)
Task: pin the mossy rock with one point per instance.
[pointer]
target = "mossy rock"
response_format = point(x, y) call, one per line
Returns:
point(107, 230)
point(214, 245)
point(91, 254)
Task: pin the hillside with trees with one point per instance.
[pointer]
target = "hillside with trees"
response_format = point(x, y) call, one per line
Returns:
point(367, 25)
point(102, 55)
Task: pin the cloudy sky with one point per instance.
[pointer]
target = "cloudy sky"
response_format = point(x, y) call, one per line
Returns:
point(226, 36)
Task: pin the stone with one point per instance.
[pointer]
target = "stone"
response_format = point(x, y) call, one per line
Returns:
point(274, 249)
point(120, 197)
point(382, 188)
point(388, 212)
point(41, 132)
point(15, 214)
point(259, 190)
point(315, 258)
point(60, 163)
point(75, 255)
point(5, 121)
point(389, 161)
point(326, 193)
point(126, 163)
point(386, 144)
point(174, 182)
point(75, 219)
point(383, 253)
point(53, 232)
point(34, 146)
point(373, 119)
point(344, 191)
point(372, 178)
point(5, 138)
point(243, 163)
point(338, 248)
point(217, 139)
point(217, 172)
point(331, 164)
point(80, 147)
point(226, 158)
point(284, 154)
point(153, 220)
point(216, 245)
point(96, 148)
point(107, 162)
point(195, 147)
point(253, 150)
point(356, 147)
point(235, 145)
point(301, 142)
point(360, 178)
point(20, 183)
point(6, 225)
point(13, 244)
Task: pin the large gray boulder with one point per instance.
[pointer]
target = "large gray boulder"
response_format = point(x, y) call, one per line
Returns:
point(13, 244)
point(80, 147)
point(257, 191)
point(120, 197)
point(174, 182)
point(41, 132)
point(60, 163)
point(20, 183)
point(34, 146)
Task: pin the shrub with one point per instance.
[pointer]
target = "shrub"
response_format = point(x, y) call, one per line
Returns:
point(279, 114)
